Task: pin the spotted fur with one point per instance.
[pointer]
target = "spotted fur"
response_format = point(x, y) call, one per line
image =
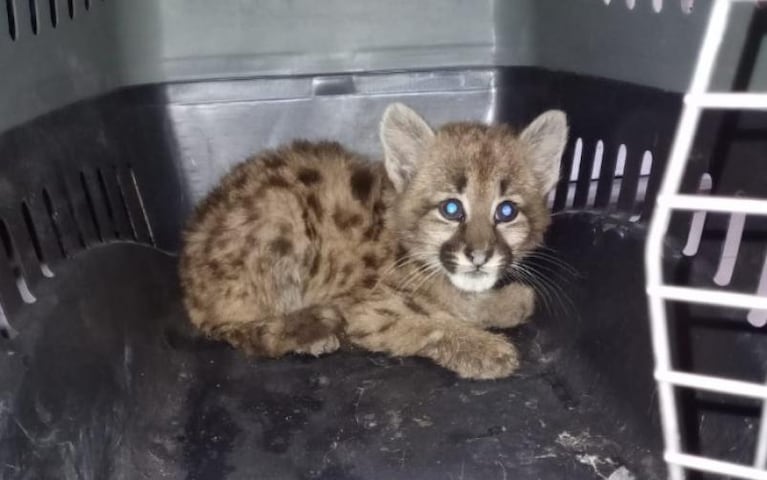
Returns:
point(310, 247)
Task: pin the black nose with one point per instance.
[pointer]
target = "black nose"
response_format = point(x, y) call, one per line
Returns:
point(478, 256)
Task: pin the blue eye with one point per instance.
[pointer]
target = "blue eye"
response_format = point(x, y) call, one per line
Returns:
point(505, 212)
point(451, 209)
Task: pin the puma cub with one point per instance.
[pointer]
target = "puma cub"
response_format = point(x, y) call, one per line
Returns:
point(310, 247)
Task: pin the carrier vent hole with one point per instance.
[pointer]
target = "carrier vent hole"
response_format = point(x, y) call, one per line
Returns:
point(6, 330)
point(730, 248)
point(698, 220)
point(644, 179)
point(71, 8)
point(142, 206)
point(687, 6)
point(91, 205)
point(575, 167)
point(657, 5)
point(15, 264)
point(596, 169)
point(87, 4)
point(124, 204)
point(631, 4)
point(35, 239)
point(10, 8)
point(758, 318)
point(33, 15)
point(53, 218)
point(107, 202)
point(54, 11)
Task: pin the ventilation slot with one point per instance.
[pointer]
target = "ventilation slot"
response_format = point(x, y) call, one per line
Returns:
point(140, 199)
point(10, 8)
point(698, 220)
point(125, 206)
point(71, 8)
point(575, 167)
point(107, 202)
point(35, 238)
point(53, 8)
point(758, 318)
point(15, 263)
point(54, 220)
point(730, 249)
point(33, 15)
point(6, 331)
point(644, 180)
point(657, 5)
point(596, 168)
point(91, 206)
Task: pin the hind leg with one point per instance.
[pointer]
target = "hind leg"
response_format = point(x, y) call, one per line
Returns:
point(312, 330)
point(245, 284)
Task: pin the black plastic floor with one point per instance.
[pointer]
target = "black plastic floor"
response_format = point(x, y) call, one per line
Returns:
point(113, 385)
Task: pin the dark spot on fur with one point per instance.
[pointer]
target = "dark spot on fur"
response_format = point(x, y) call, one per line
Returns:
point(379, 208)
point(314, 204)
point(309, 176)
point(195, 301)
point(345, 220)
point(330, 273)
point(273, 161)
point(460, 182)
point(370, 260)
point(305, 326)
point(373, 232)
point(309, 230)
point(414, 306)
point(216, 269)
point(385, 312)
point(385, 327)
point(347, 270)
point(362, 183)
point(448, 249)
point(370, 281)
point(401, 252)
point(315, 266)
point(317, 149)
point(504, 185)
point(240, 181)
point(277, 182)
point(281, 246)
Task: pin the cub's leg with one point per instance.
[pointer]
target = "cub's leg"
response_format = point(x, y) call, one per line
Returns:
point(244, 274)
point(401, 326)
point(507, 307)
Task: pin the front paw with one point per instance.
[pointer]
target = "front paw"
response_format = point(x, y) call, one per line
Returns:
point(485, 357)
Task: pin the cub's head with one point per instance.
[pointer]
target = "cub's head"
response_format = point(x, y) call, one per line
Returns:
point(471, 198)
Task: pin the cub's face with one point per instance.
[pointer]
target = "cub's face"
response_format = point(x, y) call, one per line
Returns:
point(472, 198)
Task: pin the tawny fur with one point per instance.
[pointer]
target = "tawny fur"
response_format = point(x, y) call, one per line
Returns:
point(311, 247)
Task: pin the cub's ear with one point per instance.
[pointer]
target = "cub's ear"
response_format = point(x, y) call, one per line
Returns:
point(404, 135)
point(545, 139)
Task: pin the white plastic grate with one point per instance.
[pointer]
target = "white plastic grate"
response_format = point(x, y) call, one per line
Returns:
point(697, 99)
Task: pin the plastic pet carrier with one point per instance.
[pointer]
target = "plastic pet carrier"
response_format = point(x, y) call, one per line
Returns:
point(116, 116)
